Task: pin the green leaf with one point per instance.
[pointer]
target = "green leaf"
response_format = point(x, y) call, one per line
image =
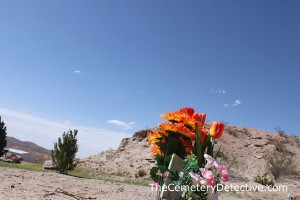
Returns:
point(154, 174)
point(199, 148)
point(159, 159)
point(218, 153)
point(162, 168)
point(174, 176)
point(167, 160)
point(210, 147)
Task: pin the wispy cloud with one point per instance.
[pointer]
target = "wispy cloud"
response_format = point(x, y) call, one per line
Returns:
point(44, 132)
point(226, 105)
point(236, 103)
point(124, 125)
point(233, 104)
point(30, 111)
point(218, 91)
point(117, 97)
point(77, 71)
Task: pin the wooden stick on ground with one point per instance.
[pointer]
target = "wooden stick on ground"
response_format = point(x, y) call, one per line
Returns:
point(74, 195)
point(48, 193)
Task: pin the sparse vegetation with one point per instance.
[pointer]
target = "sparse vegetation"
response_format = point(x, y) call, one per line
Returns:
point(230, 161)
point(140, 135)
point(2, 137)
point(23, 165)
point(280, 131)
point(279, 143)
point(264, 180)
point(77, 172)
point(142, 172)
point(232, 132)
point(280, 161)
point(64, 152)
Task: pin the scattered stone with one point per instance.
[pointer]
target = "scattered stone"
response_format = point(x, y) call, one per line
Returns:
point(257, 137)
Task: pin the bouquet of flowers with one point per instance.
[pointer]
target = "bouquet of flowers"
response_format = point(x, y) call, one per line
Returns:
point(185, 138)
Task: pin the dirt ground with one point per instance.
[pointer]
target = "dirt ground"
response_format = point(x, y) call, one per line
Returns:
point(19, 184)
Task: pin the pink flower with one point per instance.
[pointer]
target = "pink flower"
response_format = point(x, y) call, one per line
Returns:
point(210, 162)
point(165, 175)
point(197, 179)
point(209, 178)
point(155, 184)
point(223, 171)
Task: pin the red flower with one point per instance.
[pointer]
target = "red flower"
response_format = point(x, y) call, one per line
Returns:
point(216, 130)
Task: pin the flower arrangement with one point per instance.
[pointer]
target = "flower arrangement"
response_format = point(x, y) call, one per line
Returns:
point(185, 136)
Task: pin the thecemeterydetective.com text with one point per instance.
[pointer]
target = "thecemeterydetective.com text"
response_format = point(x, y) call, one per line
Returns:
point(227, 188)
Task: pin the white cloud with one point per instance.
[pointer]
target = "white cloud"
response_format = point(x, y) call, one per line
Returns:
point(233, 104)
point(30, 111)
point(45, 132)
point(218, 91)
point(124, 125)
point(236, 103)
point(77, 71)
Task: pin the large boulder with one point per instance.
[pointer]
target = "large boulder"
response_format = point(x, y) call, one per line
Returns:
point(12, 158)
point(48, 164)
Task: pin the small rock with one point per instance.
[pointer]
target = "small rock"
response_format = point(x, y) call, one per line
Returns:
point(259, 157)
point(258, 145)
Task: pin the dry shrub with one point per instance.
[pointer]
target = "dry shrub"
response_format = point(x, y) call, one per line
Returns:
point(264, 180)
point(140, 135)
point(232, 132)
point(280, 162)
point(142, 172)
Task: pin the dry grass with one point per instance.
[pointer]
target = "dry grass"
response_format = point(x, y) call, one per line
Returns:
point(280, 161)
point(142, 172)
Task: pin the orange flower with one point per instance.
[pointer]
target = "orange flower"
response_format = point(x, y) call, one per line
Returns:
point(178, 128)
point(179, 115)
point(156, 136)
point(203, 135)
point(216, 130)
point(189, 122)
point(172, 117)
point(202, 118)
point(188, 111)
point(156, 150)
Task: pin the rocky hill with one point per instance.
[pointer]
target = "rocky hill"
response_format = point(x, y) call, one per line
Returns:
point(39, 153)
point(242, 150)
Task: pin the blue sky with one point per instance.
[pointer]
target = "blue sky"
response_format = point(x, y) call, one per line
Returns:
point(110, 68)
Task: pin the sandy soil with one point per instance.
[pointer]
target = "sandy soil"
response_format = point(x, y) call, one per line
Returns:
point(19, 184)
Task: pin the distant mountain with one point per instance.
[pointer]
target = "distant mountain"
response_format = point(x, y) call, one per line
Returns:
point(39, 153)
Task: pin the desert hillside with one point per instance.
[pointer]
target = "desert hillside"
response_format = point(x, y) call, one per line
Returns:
point(242, 150)
point(39, 153)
